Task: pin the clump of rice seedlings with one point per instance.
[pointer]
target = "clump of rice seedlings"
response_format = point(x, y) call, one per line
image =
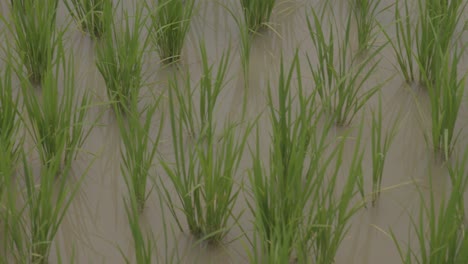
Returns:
point(197, 121)
point(33, 225)
point(280, 194)
point(34, 35)
point(365, 12)
point(257, 13)
point(56, 118)
point(416, 41)
point(440, 229)
point(404, 43)
point(89, 15)
point(380, 145)
point(120, 57)
point(204, 169)
point(170, 22)
point(445, 93)
point(340, 84)
point(9, 128)
point(438, 21)
point(139, 149)
point(297, 216)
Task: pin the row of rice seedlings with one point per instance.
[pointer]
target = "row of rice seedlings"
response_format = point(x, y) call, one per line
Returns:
point(120, 57)
point(434, 29)
point(365, 12)
point(56, 119)
point(340, 84)
point(445, 93)
point(204, 169)
point(380, 145)
point(139, 149)
point(90, 15)
point(440, 230)
point(170, 22)
point(33, 26)
point(297, 216)
point(257, 13)
point(32, 226)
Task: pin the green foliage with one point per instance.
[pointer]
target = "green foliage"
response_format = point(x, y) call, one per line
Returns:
point(90, 15)
point(56, 118)
point(257, 13)
point(440, 229)
point(339, 84)
point(120, 57)
point(204, 169)
point(34, 35)
point(170, 22)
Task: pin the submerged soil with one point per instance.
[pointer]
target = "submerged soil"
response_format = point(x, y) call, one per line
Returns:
point(96, 225)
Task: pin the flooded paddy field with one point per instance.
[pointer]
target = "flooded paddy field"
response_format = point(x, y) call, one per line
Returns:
point(267, 144)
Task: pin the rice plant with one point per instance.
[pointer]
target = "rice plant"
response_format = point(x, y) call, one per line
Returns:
point(404, 43)
point(280, 194)
point(297, 216)
point(34, 35)
point(415, 43)
point(170, 22)
point(143, 243)
point(438, 22)
point(120, 57)
point(445, 93)
point(10, 142)
point(380, 145)
point(257, 13)
point(204, 169)
point(139, 150)
point(89, 15)
point(365, 12)
point(440, 228)
point(33, 226)
point(340, 84)
point(57, 120)
point(198, 121)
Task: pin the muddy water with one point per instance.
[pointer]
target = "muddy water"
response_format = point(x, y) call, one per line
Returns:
point(96, 227)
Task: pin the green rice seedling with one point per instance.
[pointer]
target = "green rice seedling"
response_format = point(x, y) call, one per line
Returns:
point(445, 93)
point(9, 129)
point(89, 15)
point(56, 120)
point(440, 229)
point(139, 149)
point(438, 22)
point(257, 13)
point(380, 145)
point(365, 12)
point(404, 43)
point(34, 35)
point(143, 245)
point(170, 22)
point(297, 216)
point(281, 193)
point(33, 226)
point(120, 57)
point(204, 169)
point(197, 121)
point(415, 44)
point(339, 84)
